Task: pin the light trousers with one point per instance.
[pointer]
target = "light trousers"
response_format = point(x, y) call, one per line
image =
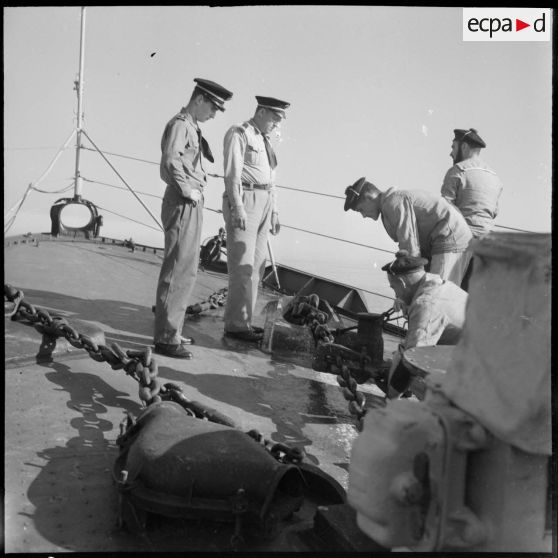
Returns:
point(246, 256)
point(183, 224)
point(450, 266)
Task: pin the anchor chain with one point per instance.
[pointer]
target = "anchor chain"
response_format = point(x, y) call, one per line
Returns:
point(139, 364)
point(306, 311)
point(214, 300)
point(281, 452)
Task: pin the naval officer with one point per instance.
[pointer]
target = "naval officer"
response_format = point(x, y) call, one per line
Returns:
point(250, 212)
point(182, 168)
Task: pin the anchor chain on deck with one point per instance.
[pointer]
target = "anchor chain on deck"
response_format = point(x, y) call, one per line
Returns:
point(214, 300)
point(305, 311)
point(139, 364)
point(136, 363)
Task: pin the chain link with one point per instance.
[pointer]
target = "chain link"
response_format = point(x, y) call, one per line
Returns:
point(214, 300)
point(281, 452)
point(138, 364)
point(304, 310)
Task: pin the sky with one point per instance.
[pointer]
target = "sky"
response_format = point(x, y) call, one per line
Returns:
point(374, 91)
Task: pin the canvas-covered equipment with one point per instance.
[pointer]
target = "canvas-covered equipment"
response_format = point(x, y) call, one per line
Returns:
point(178, 465)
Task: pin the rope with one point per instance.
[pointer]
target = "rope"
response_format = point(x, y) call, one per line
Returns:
point(121, 188)
point(121, 178)
point(278, 186)
point(19, 205)
point(122, 156)
point(512, 229)
point(129, 218)
point(69, 187)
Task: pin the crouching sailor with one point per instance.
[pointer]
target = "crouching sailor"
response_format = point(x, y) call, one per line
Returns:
point(434, 308)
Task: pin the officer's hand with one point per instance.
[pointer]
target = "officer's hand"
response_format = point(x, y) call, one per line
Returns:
point(195, 196)
point(239, 217)
point(275, 225)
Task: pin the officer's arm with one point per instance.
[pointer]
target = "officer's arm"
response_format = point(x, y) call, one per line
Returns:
point(176, 143)
point(233, 160)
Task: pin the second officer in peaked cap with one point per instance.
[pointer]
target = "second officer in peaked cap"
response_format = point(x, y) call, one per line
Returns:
point(275, 105)
point(183, 150)
point(250, 212)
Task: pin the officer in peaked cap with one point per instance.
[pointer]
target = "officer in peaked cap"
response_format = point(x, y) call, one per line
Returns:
point(435, 310)
point(216, 93)
point(182, 168)
point(273, 104)
point(250, 212)
point(472, 186)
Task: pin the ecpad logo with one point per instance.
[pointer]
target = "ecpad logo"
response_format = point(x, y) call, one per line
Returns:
point(507, 24)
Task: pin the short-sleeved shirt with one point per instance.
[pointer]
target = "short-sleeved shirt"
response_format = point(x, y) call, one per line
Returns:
point(436, 314)
point(181, 157)
point(423, 223)
point(245, 160)
point(474, 188)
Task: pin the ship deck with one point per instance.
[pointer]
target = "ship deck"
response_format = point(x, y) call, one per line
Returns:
point(62, 417)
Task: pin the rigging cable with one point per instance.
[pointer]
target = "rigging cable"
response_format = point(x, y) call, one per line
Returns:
point(125, 217)
point(33, 186)
point(278, 186)
point(121, 178)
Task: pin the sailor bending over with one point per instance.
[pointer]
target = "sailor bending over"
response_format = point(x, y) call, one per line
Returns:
point(422, 223)
point(434, 308)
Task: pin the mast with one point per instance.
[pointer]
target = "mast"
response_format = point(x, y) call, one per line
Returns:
point(79, 87)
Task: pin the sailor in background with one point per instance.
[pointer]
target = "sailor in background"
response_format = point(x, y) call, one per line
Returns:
point(434, 308)
point(422, 223)
point(250, 212)
point(472, 186)
point(183, 148)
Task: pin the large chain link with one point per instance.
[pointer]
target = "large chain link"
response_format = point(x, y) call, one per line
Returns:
point(214, 300)
point(139, 364)
point(282, 452)
point(305, 311)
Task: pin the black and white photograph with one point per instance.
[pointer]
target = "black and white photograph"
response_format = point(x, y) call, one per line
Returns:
point(277, 278)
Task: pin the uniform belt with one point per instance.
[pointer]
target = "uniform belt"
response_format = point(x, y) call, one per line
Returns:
point(247, 186)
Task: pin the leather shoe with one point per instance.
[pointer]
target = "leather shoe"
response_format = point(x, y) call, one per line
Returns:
point(248, 335)
point(174, 351)
point(258, 329)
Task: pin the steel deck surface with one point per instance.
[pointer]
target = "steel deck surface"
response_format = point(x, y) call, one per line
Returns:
point(62, 417)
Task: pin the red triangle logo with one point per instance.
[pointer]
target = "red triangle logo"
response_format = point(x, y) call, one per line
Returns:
point(519, 25)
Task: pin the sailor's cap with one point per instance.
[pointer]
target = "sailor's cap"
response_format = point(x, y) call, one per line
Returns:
point(273, 104)
point(217, 93)
point(353, 192)
point(404, 263)
point(470, 136)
